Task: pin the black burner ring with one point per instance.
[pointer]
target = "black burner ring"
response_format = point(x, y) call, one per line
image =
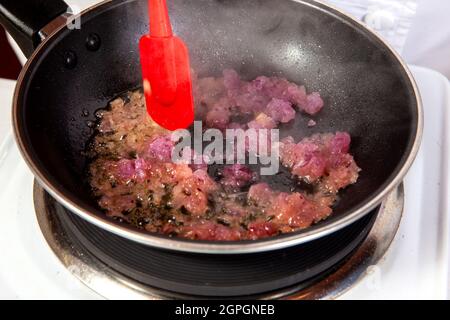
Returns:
point(219, 276)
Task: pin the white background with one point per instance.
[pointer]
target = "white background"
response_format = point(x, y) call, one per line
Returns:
point(428, 43)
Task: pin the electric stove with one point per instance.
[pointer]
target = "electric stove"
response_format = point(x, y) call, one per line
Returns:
point(399, 251)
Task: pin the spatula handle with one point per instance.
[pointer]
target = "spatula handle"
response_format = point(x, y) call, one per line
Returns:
point(160, 26)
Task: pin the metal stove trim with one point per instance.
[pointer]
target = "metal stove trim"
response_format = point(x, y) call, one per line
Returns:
point(112, 285)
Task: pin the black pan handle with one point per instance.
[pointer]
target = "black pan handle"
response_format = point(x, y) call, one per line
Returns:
point(24, 19)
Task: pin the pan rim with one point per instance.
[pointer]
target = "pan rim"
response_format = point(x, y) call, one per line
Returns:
point(239, 247)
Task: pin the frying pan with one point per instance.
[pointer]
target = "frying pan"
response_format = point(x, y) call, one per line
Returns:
point(72, 72)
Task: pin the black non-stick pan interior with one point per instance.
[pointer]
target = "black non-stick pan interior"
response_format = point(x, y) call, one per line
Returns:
point(366, 89)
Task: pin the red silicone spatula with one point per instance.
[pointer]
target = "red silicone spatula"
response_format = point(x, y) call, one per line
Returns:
point(166, 72)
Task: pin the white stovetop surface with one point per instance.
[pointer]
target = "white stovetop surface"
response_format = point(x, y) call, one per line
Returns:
point(416, 266)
